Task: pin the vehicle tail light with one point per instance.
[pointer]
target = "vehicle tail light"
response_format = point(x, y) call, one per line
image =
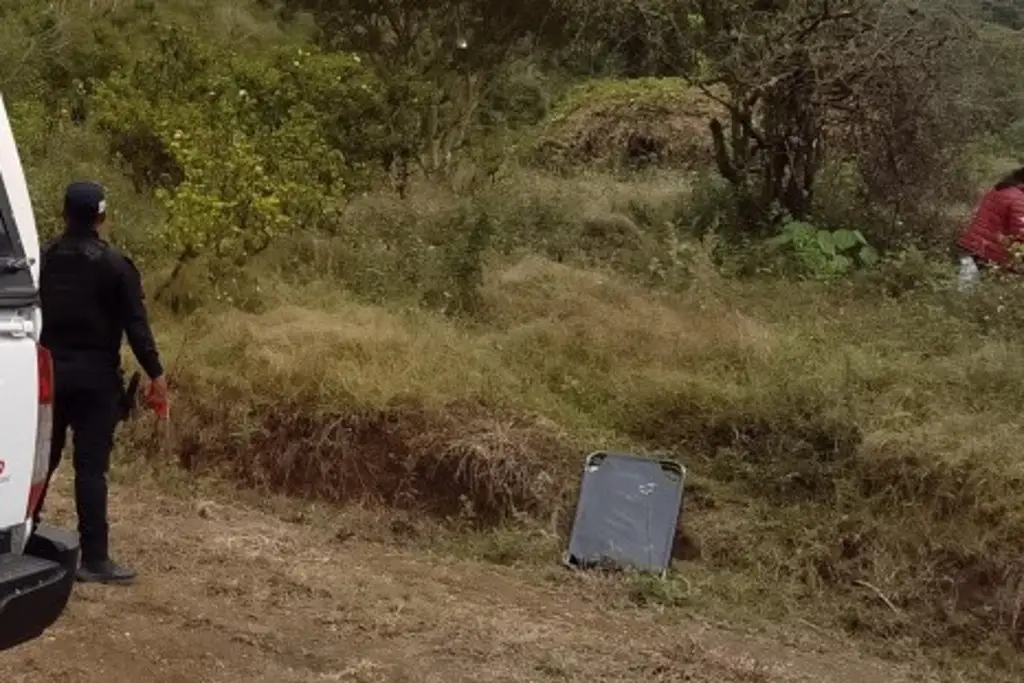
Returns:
point(44, 431)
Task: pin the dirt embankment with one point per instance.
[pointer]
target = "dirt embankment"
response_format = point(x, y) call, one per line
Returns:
point(444, 463)
point(229, 594)
point(477, 467)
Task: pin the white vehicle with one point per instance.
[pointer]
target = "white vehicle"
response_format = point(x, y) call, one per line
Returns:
point(37, 565)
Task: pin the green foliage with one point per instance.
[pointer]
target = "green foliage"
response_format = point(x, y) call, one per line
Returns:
point(239, 149)
point(903, 272)
point(244, 131)
point(711, 207)
point(520, 97)
point(444, 65)
point(620, 38)
point(228, 206)
point(824, 254)
point(464, 260)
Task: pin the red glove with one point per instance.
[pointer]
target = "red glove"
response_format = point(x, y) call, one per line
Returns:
point(156, 399)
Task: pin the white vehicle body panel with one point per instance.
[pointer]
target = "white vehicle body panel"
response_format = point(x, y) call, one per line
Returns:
point(19, 332)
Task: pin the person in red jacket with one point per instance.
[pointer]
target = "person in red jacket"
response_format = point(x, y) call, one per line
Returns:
point(998, 224)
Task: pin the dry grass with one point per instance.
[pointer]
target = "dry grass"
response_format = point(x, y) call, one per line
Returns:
point(855, 458)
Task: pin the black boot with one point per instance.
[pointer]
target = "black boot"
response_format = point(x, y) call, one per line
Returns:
point(105, 571)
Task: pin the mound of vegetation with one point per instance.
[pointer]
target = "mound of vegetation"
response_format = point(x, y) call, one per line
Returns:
point(628, 125)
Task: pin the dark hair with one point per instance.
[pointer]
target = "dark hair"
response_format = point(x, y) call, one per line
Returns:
point(1014, 179)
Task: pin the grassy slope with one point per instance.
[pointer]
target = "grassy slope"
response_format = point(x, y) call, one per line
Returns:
point(843, 447)
point(855, 460)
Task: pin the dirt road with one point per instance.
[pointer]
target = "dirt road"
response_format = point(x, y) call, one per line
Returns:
point(238, 595)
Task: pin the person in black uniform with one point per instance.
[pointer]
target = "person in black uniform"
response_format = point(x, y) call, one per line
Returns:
point(91, 296)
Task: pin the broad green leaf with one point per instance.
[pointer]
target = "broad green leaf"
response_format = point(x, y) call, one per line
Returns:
point(825, 243)
point(846, 239)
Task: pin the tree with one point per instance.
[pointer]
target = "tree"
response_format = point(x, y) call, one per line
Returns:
point(917, 98)
point(437, 58)
point(804, 82)
point(790, 70)
point(631, 38)
point(240, 148)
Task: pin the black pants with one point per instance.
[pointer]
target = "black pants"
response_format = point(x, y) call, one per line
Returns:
point(88, 401)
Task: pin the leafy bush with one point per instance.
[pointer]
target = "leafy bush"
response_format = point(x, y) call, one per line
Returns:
point(824, 254)
point(240, 150)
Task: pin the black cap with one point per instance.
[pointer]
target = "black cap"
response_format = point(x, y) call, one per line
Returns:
point(84, 203)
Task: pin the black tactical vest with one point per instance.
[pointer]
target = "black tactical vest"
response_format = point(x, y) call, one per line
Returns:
point(78, 292)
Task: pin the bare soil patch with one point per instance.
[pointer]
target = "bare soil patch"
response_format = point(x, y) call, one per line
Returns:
point(234, 595)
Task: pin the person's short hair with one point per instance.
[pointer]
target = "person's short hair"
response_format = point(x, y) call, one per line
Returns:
point(85, 203)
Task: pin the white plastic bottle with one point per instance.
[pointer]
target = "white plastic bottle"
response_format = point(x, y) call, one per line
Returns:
point(968, 275)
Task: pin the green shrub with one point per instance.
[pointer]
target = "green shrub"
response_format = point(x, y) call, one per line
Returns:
point(824, 254)
point(239, 150)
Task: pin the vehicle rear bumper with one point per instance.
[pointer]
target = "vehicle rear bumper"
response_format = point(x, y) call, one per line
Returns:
point(35, 587)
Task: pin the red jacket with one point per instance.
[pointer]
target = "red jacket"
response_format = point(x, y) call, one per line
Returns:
point(998, 222)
